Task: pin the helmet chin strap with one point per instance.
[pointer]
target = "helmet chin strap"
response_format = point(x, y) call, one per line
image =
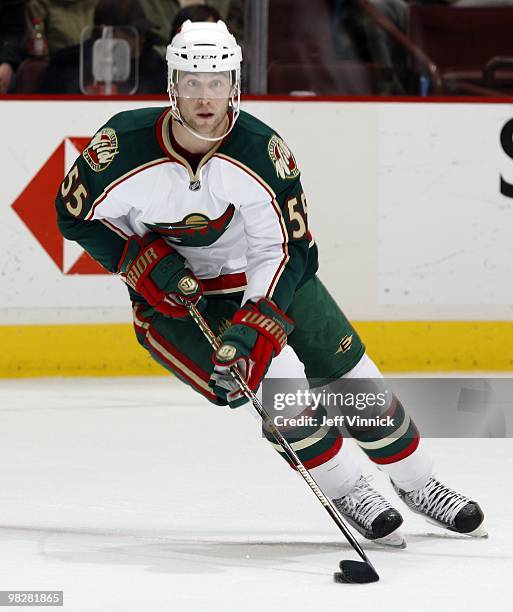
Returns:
point(175, 112)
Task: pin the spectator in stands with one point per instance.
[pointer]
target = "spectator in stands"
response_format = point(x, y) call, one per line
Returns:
point(152, 67)
point(361, 36)
point(194, 12)
point(163, 12)
point(63, 73)
point(12, 40)
point(232, 13)
point(63, 20)
point(382, 47)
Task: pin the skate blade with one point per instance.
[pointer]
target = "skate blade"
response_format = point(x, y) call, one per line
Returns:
point(479, 532)
point(394, 540)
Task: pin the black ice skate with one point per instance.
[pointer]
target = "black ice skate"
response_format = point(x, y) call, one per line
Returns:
point(446, 508)
point(371, 514)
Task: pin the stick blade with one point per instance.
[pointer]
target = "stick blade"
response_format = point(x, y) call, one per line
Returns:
point(356, 572)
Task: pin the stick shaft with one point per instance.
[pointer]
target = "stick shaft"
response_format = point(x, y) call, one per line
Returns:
point(280, 439)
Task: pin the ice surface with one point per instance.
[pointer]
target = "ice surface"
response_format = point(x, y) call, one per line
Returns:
point(134, 495)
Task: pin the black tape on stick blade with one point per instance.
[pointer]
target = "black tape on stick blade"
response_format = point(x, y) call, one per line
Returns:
point(355, 572)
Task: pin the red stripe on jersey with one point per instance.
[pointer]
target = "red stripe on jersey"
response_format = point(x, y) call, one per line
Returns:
point(284, 261)
point(224, 282)
point(141, 322)
point(392, 408)
point(409, 450)
point(192, 365)
point(114, 228)
point(182, 359)
point(323, 457)
point(274, 204)
point(159, 131)
point(114, 184)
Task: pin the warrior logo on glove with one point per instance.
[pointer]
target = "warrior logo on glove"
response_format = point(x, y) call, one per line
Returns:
point(257, 334)
point(158, 274)
point(139, 266)
point(261, 322)
point(226, 352)
point(188, 285)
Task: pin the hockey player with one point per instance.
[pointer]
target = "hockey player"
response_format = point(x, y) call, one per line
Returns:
point(203, 202)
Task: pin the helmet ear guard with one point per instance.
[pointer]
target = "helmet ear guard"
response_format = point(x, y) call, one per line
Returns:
point(204, 47)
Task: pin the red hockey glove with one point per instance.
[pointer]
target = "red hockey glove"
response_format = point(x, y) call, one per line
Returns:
point(258, 333)
point(157, 272)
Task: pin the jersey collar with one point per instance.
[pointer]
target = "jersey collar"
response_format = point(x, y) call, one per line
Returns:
point(163, 131)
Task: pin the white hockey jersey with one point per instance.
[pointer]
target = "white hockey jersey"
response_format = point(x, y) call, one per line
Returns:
point(239, 218)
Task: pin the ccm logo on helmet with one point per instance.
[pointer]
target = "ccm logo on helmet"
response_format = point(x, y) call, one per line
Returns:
point(204, 57)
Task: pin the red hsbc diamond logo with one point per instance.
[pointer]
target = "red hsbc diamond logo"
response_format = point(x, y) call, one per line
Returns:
point(36, 208)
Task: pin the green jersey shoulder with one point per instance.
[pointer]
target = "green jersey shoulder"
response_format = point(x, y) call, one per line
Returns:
point(257, 147)
point(125, 144)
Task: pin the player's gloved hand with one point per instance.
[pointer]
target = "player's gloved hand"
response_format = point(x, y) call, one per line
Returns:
point(157, 272)
point(258, 333)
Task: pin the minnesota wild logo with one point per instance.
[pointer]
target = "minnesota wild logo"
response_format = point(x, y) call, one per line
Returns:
point(195, 229)
point(282, 158)
point(102, 149)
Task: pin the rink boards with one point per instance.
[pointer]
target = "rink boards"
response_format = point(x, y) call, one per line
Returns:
point(409, 203)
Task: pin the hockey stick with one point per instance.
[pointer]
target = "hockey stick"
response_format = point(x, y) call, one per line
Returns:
point(351, 571)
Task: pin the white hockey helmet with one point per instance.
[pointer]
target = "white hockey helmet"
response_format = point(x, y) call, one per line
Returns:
point(204, 47)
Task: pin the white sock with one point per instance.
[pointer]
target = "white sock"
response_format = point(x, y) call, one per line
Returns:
point(413, 472)
point(339, 474)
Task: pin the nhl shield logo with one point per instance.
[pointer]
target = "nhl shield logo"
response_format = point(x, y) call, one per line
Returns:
point(102, 149)
point(282, 158)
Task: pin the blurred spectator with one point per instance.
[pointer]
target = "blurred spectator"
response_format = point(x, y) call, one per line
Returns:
point(63, 20)
point(383, 49)
point(379, 47)
point(161, 13)
point(359, 37)
point(194, 12)
point(12, 40)
point(232, 13)
point(63, 72)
